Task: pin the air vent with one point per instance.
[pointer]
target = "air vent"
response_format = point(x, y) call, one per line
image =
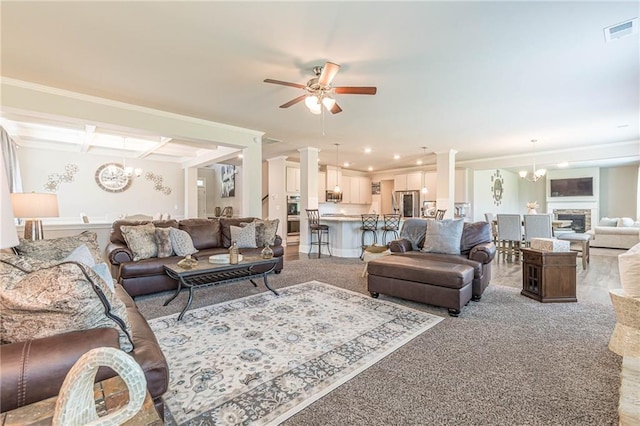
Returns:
point(270, 141)
point(621, 30)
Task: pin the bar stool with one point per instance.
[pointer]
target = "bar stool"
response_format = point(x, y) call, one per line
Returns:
point(391, 224)
point(317, 229)
point(440, 214)
point(369, 224)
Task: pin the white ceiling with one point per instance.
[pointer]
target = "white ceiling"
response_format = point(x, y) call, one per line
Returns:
point(483, 78)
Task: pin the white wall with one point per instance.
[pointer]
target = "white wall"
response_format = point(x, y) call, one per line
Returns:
point(483, 194)
point(83, 195)
point(530, 192)
point(619, 191)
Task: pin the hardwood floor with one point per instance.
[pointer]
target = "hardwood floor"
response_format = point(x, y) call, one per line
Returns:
point(593, 283)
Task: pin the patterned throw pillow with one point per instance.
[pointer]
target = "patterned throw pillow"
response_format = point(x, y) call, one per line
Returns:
point(44, 298)
point(266, 231)
point(59, 248)
point(181, 242)
point(443, 236)
point(244, 236)
point(163, 242)
point(141, 240)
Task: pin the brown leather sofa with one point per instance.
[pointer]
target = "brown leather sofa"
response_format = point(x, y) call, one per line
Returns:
point(146, 276)
point(446, 280)
point(34, 370)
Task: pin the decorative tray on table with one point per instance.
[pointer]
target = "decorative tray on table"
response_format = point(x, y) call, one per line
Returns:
point(222, 258)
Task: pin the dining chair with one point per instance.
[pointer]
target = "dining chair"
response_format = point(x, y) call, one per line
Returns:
point(509, 236)
point(490, 218)
point(537, 226)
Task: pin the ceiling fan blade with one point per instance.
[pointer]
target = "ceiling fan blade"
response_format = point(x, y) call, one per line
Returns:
point(293, 101)
point(355, 90)
point(329, 71)
point(336, 109)
point(284, 83)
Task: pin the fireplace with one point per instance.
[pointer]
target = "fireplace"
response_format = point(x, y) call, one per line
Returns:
point(577, 221)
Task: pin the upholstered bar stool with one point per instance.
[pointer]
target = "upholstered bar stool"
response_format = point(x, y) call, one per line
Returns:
point(369, 224)
point(317, 229)
point(391, 224)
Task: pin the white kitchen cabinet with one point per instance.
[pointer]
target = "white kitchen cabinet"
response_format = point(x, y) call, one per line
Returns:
point(293, 179)
point(408, 182)
point(431, 182)
point(334, 176)
point(322, 187)
point(355, 189)
point(346, 189)
point(365, 190)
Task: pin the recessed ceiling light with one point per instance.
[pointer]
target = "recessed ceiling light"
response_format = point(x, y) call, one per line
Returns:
point(418, 162)
point(240, 156)
point(346, 164)
point(563, 164)
point(396, 157)
point(367, 150)
point(370, 168)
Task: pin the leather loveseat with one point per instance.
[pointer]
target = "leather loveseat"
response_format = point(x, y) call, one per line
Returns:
point(34, 370)
point(446, 280)
point(146, 276)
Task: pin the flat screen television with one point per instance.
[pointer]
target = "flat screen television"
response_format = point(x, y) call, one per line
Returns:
point(574, 187)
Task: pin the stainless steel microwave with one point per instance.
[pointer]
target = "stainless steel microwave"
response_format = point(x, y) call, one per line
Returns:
point(333, 197)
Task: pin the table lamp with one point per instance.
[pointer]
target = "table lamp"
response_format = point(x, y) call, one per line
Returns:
point(33, 206)
point(8, 233)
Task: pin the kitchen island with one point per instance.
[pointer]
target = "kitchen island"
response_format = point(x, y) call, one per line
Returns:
point(345, 236)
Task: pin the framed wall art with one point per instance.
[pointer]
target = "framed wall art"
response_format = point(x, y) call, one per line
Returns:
point(228, 174)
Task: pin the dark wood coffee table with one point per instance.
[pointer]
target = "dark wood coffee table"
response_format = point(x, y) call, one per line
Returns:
point(206, 274)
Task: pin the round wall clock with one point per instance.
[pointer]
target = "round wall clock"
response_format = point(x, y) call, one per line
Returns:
point(112, 178)
point(497, 187)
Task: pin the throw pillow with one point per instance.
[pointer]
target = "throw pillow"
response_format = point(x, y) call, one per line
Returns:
point(629, 266)
point(141, 240)
point(244, 236)
point(413, 230)
point(59, 248)
point(163, 242)
point(181, 242)
point(102, 269)
point(81, 254)
point(625, 222)
point(40, 299)
point(608, 221)
point(443, 236)
point(266, 231)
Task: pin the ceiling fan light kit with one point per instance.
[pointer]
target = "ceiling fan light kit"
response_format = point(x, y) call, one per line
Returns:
point(319, 90)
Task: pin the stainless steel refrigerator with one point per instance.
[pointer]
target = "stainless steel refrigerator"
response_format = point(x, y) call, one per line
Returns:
point(408, 203)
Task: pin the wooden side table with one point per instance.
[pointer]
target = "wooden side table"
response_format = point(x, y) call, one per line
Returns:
point(549, 276)
point(110, 395)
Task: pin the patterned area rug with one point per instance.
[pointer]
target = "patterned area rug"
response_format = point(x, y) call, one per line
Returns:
point(261, 359)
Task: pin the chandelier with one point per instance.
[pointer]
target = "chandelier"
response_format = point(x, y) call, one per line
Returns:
point(535, 174)
point(129, 171)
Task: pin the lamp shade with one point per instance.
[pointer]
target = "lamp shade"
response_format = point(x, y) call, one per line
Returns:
point(32, 205)
point(8, 232)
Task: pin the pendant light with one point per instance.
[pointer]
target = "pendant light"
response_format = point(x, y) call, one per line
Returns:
point(424, 190)
point(337, 189)
point(536, 174)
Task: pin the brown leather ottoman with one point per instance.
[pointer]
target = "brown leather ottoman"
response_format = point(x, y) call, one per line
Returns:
point(428, 281)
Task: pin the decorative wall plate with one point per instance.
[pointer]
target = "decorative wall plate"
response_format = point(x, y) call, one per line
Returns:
point(497, 187)
point(112, 178)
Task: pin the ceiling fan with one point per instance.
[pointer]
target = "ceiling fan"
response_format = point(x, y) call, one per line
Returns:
point(319, 90)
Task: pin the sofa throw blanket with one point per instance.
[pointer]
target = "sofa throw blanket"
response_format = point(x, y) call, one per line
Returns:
point(413, 230)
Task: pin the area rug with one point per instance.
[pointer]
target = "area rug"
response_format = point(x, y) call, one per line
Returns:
point(261, 359)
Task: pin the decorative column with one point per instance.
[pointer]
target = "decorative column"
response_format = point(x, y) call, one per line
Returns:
point(446, 175)
point(252, 179)
point(277, 196)
point(308, 191)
